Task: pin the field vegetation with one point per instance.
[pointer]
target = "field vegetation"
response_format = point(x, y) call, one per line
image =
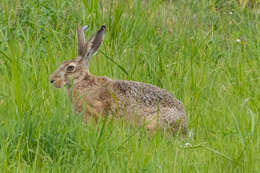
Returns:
point(205, 52)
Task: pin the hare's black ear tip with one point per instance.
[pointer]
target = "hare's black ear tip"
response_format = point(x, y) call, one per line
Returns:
point(103, 27)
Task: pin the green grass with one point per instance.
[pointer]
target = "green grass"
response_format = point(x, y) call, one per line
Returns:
point(188, 47)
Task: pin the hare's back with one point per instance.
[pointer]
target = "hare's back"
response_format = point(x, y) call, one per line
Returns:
point(146, 94)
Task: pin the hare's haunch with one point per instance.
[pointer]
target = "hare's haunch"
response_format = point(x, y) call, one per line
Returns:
point(138, 102)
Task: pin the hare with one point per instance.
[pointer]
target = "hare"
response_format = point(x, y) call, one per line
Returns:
point(137, 102)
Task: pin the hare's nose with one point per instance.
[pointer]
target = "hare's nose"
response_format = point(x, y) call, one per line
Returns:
point(52, 81)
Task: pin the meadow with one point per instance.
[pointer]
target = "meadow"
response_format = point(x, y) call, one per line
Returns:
point(205, 52)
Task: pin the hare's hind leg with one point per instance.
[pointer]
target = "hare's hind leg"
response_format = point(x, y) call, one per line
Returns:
point(167, 119)
point(174, 120)
point(152, 125)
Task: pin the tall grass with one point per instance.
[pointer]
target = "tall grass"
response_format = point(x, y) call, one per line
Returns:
point(204, 52)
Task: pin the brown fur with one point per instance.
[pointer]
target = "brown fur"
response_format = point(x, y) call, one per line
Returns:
point(137, 102)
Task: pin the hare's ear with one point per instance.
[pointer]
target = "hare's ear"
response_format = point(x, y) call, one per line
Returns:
point(94, 42)
point(81, 40)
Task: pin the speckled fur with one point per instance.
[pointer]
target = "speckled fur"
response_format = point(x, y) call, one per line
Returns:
point(137, 102)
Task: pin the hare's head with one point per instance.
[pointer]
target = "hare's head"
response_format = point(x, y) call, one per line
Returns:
point(77, 69)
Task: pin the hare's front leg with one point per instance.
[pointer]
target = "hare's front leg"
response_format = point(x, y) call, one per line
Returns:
point(95, 109)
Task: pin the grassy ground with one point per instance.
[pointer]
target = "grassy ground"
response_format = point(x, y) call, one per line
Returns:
point(206, 52)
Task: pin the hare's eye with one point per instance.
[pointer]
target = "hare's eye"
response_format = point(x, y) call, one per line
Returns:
point(70, 68)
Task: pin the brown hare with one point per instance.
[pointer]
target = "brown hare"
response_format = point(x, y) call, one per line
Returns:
point(137, 102)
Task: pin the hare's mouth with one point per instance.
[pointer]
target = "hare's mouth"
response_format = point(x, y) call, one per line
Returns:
point(58, 84)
